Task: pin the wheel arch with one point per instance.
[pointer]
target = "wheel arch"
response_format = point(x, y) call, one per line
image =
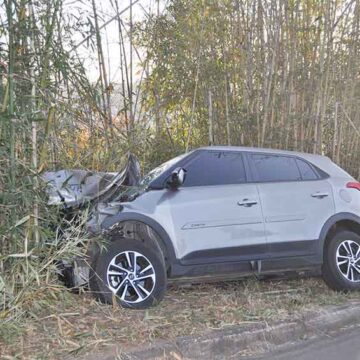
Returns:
point(165, 243)
point(346, 221)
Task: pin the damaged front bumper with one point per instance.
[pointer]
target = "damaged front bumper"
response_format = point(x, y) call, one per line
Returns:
point(98, 193)
point(74, 274)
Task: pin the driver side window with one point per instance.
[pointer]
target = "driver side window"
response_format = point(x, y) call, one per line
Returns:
point(215, 168)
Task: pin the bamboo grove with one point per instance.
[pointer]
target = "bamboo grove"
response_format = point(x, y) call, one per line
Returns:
point(272, 73)
point(281, 74)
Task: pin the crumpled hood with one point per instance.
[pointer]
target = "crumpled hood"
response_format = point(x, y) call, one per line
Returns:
point(73, 188)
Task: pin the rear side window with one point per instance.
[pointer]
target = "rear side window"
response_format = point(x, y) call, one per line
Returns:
point(306, 170)
point(215, 168)
point(275, 168)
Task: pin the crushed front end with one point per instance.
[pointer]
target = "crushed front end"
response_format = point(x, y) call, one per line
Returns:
point(93, 194)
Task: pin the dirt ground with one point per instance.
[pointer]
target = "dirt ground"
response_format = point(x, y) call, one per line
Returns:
point(58, 323)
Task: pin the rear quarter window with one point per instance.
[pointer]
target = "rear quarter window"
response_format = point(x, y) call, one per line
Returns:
point(270, 168)
point(306, 170)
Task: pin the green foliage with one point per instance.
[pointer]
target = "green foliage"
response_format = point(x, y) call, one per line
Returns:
point(43, 88)
point(281, 66)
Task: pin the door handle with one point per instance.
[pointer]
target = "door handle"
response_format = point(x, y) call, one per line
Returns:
point(247, 202)
point(320, 195)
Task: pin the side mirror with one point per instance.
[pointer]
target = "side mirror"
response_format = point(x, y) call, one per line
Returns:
point(177, 178)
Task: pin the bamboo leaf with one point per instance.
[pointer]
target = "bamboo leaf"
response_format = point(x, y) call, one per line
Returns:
point(22, 221)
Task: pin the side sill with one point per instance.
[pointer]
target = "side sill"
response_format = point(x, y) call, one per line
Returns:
point(272, 252)
point(245, 268)
point(292, 263)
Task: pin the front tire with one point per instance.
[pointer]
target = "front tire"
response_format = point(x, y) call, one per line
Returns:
point(341, 267)
point(131, 272)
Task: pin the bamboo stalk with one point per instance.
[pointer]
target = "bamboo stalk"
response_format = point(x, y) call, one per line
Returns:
point(193, 101)
point(103, 75)
point(131, 75)
point(122, 64)
point(227, 113)
point(9, 10)
point(211, 120)
point(335, 139)
point(34, 146)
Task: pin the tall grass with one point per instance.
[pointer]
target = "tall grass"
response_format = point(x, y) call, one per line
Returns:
point(40, 106)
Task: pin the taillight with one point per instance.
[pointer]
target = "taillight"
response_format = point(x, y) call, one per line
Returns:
point(353, 185)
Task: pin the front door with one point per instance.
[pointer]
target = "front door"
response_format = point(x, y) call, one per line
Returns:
point(216, 214)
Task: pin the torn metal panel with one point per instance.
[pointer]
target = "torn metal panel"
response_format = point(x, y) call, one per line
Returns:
point(73, 188)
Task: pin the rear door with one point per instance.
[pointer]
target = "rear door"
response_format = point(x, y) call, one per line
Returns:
point(296, 201)
point(216, 214)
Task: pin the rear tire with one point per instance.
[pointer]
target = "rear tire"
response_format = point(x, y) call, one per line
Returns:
point(341, 267)
point(130, 272)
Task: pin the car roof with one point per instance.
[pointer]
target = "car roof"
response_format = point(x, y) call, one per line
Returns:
point(262, 150)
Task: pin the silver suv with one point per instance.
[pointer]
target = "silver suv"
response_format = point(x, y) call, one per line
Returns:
point(224, 212)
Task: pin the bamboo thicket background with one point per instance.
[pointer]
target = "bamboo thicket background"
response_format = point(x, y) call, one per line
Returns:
point(281, 74)
point(272, 73)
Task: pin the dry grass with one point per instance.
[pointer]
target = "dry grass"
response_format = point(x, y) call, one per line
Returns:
point(59, 323)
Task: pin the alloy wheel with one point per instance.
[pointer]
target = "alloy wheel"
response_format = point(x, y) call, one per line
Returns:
point(131, 277)
point(348, 260)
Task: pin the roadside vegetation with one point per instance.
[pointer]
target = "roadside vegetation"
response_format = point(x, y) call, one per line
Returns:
point(281, 74)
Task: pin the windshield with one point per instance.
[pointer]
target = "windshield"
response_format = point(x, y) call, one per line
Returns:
point(150, 176)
